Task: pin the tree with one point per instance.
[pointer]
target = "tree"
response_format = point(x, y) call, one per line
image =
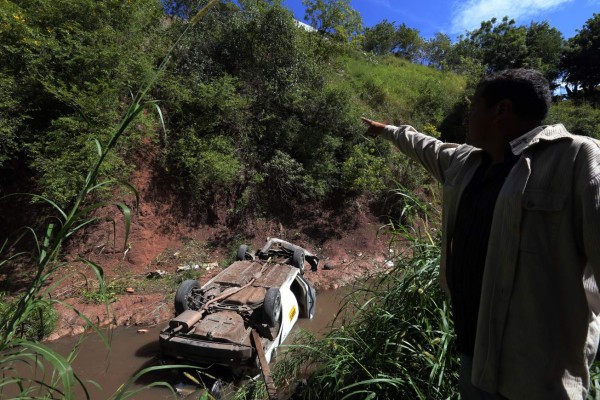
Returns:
point(581, 57)
point(409, 43)
point(544, 47)
point(335, 18)
point(381, 38)
point(437, 49)
point(249, 94)
point(501, 45)
point(385, 38)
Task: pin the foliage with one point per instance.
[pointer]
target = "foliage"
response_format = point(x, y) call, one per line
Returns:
point(380, 39)
point(385, 38)
point(579, 117)
point(401, 92)
point(10, 119)
point(40, 323)
point(502, 44)
point(286, 177)
point(251, 81)
point(436, 50)
point(581, 59)
point(410, 43)
point(209, 164)
point(594, 392)
point(363, 170)
point(68, 66)
point(336, 18)
point(544, 45)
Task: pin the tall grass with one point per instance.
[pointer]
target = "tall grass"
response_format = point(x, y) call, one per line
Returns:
point(396, 91)
point(58, 378)
point(397, 344)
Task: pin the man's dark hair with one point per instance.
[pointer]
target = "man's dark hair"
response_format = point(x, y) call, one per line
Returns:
point(527, 89)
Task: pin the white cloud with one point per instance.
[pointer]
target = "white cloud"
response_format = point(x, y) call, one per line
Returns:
point(469, 14)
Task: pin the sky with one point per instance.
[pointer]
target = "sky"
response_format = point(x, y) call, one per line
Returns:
point(456, 17)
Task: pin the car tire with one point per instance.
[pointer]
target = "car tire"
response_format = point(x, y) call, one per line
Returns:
point(241, 253)
point(182, 294)
point(298, 259)
point(272, 307)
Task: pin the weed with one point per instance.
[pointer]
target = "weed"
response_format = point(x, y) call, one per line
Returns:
point(40, 323)
point(93, 294)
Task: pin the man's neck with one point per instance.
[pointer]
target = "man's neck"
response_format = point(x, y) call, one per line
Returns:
point(497, 149)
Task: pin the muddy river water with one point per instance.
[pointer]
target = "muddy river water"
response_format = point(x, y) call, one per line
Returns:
point(131, 352)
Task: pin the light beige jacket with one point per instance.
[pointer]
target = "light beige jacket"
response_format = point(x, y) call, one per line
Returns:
point(538, 325)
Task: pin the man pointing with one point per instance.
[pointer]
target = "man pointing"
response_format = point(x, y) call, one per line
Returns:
point(521, 241)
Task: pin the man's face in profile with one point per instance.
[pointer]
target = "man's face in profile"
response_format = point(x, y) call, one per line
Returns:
point(479, 122)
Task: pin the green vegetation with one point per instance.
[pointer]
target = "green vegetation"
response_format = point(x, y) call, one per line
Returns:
point(580, 60)
point(578, 116)
point(259, 114)
point(399, 91)
point(336, 18)
point(68, 75)
point(39, 324)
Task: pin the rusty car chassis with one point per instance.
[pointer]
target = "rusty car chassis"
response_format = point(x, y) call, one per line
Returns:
point(259, 296)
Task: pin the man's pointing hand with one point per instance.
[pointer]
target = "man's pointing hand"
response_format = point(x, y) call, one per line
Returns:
point(374, 128)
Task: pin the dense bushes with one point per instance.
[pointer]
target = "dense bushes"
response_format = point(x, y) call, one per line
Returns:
point(579, 117)
point(66, 68)
point(248, 77)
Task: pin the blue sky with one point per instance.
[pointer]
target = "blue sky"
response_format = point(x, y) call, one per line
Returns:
point(455, 17)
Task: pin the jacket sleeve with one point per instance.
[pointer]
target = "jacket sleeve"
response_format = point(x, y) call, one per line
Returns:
point(590, 218)
point(588, 206)
point(434, 155)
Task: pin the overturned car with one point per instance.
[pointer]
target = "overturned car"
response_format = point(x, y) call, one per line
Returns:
point(247, 310)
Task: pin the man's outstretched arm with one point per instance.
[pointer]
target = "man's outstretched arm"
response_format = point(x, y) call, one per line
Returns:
point(430, 152)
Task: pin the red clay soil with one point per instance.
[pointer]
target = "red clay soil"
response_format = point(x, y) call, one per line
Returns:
point(350, 249)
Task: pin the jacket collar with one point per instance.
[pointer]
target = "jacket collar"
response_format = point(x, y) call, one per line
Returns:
point(543, 132)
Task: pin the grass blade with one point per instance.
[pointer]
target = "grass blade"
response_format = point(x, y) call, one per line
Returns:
point(58, 362)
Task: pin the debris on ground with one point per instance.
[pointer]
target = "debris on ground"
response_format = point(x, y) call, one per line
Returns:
point(156, 274)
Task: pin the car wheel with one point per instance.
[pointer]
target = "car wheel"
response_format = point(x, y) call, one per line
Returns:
point(298, 259)
point(183, 293)
point(272, 307)
point(241, 253)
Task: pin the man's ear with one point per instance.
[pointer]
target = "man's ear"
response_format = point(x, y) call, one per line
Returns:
point(504, 108)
